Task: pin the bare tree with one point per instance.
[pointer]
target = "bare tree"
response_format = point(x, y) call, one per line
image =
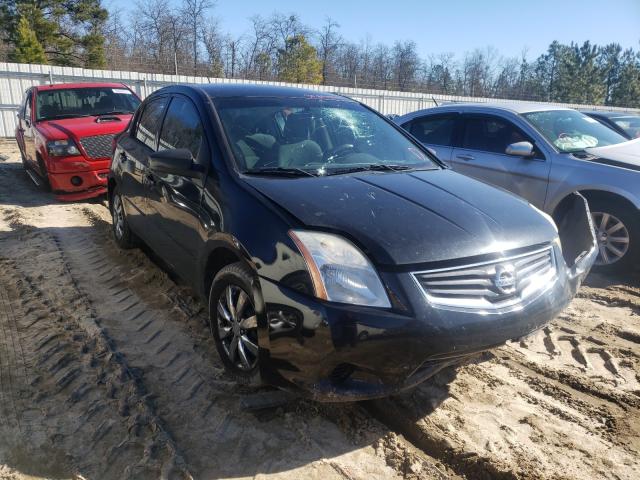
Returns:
point(329, 42)
point(194, 12)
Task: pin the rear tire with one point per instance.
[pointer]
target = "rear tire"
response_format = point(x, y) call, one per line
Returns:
point(122, 233)
point(618, 233)
point(233, 323)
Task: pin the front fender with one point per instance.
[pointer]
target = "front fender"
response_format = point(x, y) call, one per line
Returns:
point(577, 238)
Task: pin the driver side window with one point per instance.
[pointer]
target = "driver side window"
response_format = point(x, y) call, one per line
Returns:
point(493, 134)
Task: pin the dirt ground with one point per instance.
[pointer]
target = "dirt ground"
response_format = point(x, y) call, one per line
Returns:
point(107, 371)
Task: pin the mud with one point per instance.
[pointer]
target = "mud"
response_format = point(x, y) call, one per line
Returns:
point(108, 370)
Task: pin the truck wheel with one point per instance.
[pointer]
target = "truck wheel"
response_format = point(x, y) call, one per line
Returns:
point(617, 231)
point(233, 322)
point(44, 176)
point(122, 233)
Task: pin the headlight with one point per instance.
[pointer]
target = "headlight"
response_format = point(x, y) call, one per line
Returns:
point(62, 148)
point(339, 270)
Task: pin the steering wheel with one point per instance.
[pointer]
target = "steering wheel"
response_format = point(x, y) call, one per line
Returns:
point(336, 151)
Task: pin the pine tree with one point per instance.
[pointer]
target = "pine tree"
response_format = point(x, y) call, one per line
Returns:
point(69, 31)
point(27, 48)
point(298, 62)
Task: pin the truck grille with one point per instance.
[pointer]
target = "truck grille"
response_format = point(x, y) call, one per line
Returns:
point(98, 146)
point(505, 284)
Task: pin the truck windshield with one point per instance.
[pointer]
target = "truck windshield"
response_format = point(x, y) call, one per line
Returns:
point(572, 131)
point(84, 102)
point(314, 136)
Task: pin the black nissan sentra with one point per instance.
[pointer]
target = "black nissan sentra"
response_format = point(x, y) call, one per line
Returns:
point(339, 258)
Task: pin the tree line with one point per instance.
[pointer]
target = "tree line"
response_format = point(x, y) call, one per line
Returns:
point(184, 37)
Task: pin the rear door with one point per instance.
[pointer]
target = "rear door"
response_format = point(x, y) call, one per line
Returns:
point(481, 154)
point(174, 200)
point(134, 159)
point(435, 132)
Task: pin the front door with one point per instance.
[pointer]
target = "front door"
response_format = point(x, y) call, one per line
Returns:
point(481, 154)
point(134, 157)
point(26, 133)
point(175, 200)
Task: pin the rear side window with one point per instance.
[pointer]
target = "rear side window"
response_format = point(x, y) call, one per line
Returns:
point(437, 130)
point(182, 127)
point(491, 134)
point(149, 123)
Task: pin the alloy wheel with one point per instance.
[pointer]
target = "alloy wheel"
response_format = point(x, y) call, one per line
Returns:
point(118, 216)
point(237, 327)
point(612, 236)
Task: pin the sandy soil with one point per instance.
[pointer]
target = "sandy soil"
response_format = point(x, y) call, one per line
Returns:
point(107, 370)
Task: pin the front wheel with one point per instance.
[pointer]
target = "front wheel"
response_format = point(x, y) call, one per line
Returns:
point(617, 232)
point(233, 322)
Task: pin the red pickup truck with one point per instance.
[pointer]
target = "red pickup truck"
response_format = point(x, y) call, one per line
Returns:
point(66, 134)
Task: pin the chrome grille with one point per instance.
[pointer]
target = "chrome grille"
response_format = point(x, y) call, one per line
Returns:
point(504, 284)
point(98, 146)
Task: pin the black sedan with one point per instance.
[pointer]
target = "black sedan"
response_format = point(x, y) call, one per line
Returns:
point(338, 257)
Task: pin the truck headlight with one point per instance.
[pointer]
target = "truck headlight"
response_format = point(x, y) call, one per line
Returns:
point(62, 148)
point(339, 270)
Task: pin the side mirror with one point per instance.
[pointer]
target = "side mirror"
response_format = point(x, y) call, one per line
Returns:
point(176, 161)
point(520, 149)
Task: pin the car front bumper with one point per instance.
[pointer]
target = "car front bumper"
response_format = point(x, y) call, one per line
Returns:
point(338, 352)
point(73, 180)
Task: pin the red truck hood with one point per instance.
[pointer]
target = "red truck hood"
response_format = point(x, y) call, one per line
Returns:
point(79, 127)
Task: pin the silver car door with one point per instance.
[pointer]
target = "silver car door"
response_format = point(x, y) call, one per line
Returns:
point(482, 155)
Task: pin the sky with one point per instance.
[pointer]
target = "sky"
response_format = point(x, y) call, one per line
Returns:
point(456, 26)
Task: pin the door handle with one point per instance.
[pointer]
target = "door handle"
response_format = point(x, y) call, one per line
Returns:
point(465, 157)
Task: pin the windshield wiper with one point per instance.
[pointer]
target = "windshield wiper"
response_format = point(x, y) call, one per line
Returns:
point(374, 167)
point(280, 171)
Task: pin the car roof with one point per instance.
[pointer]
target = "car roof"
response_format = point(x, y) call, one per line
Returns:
point(610, 114)
point(221, 90)
point(60, 86)
point(514, 107)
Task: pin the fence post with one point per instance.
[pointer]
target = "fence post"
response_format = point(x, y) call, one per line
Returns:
point(50, 77)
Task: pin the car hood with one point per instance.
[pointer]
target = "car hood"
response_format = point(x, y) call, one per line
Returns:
point(626, 154)
point(411, 217)
point(77, 128)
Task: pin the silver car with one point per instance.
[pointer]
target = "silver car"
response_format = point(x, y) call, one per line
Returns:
point(543, 153)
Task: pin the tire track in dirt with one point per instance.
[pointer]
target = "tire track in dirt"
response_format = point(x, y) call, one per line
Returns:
point(80, 383)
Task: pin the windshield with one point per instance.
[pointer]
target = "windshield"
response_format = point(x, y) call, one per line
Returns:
point(313, 136)
point(630, 124)
point(572, 131)
point(84, 102)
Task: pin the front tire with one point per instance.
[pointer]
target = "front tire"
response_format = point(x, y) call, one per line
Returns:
point(122, 233)
point(233, 322)
point(617, 231)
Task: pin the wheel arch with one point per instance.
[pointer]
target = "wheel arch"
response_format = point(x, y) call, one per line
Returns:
point(219, 257)
point(595, 194)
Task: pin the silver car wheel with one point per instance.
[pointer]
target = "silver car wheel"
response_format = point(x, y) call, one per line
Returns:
point(117, 213)
point(613, 238)
point(237, 327)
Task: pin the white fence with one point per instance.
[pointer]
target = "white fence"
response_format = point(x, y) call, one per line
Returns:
point(15, 78)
